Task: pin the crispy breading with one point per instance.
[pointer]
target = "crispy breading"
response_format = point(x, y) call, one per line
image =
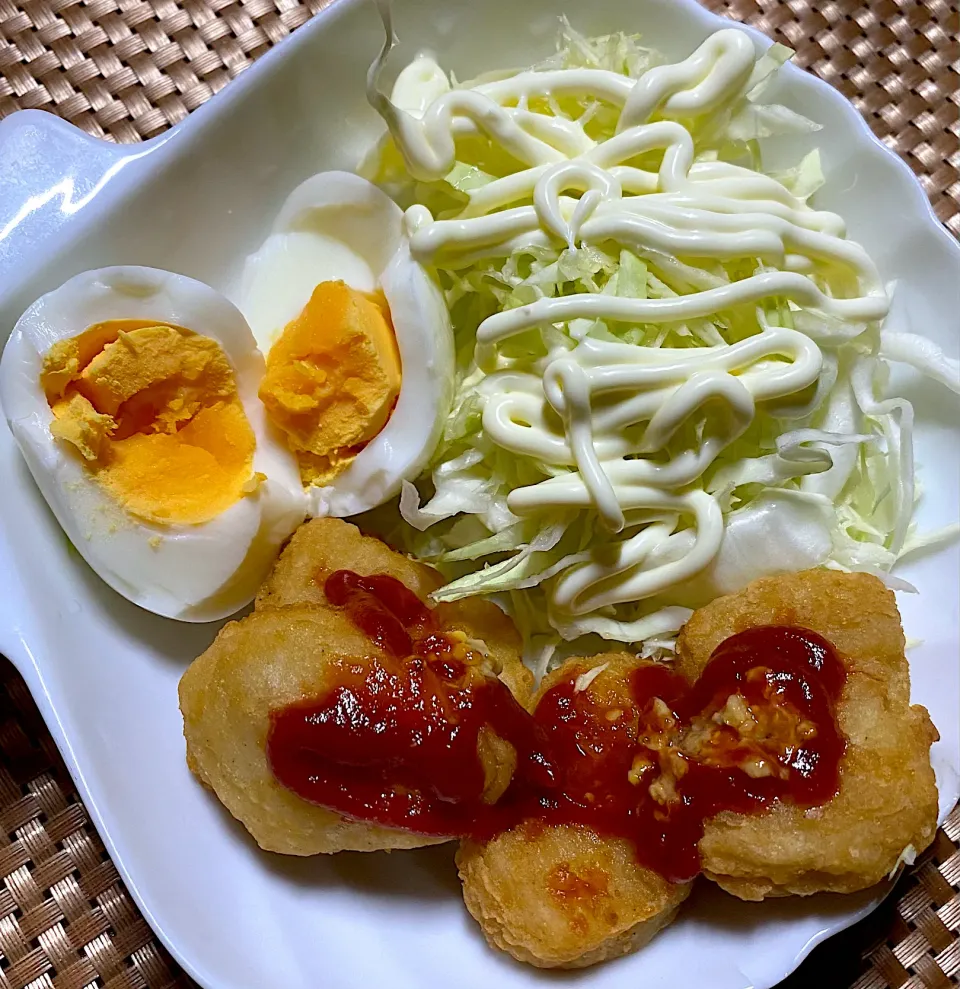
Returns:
point(321, 546)
point(286, 652)
point(887, 798)
point(562, 896)
point(324, 545)
point(256, 665)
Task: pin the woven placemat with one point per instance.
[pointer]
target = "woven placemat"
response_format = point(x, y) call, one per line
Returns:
point(921, 947)
point(66, 921)
point(127, 69)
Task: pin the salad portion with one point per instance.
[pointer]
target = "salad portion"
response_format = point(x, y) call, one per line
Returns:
point(612, 390)
point(669, 363)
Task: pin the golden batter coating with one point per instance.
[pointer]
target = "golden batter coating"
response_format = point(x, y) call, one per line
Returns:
point(256, 665)
point(562, 896)
point(324, 545)
point(888, 797)
point(289, 651)
point(321, 546)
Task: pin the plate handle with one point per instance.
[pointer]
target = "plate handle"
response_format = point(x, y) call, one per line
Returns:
point(50, 171)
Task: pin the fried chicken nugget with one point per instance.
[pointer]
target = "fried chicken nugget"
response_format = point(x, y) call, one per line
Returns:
point(887, 798)
point(288, 651)
point(564, 897)
point(256, 665)
point(561, 895)
point(323, 545)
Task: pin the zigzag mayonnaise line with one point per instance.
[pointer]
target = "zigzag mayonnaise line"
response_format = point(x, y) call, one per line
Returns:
point(600, 416)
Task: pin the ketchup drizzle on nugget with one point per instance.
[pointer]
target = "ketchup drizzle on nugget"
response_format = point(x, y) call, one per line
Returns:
point(424, 741)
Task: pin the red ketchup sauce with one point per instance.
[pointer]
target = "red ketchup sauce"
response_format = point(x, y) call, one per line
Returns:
point(669, 759)
point(398, 741)
point(395, 742)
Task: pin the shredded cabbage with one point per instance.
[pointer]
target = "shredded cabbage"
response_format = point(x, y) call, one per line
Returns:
point(826, 478)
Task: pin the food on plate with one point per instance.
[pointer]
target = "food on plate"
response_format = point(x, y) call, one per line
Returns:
point(584, 351)
point(176, 459)
point(887, 797)
point(666, 387)
point(322, 546)
point(566, 887)
point(323, 692)
point(659, 758)
point(267, 660)
point(669, 359)
point(345, 713)
point(332, 378)
point(132, 394)
point(357, 340)
point(563, 896)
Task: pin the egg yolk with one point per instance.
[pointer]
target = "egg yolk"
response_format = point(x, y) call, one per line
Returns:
point(332, 379)
point(153, 410)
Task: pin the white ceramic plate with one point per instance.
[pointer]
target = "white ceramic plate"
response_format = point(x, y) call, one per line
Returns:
point(197, 200)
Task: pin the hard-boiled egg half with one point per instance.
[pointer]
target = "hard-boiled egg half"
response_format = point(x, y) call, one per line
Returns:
point(360, 358)
point(132, 393)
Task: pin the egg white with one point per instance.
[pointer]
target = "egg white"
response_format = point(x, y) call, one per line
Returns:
point(193, 573)
point(336, 225)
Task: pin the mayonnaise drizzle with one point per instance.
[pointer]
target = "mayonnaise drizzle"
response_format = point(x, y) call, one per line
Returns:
point(612, 421)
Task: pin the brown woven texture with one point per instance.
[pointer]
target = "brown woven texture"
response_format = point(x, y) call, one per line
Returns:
point(922, 948)
point(66, 921)
point(126, 70)
point(897, 61)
